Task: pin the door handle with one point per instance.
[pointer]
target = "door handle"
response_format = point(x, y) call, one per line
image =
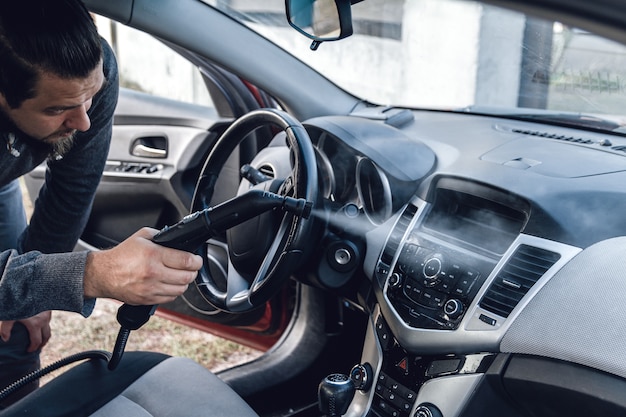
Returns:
point(148, 152)
point(149, 147)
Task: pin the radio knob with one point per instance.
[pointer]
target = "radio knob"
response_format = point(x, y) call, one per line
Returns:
point(362, 376)
point(432, 270)
point(453, 308)
point(395, 280)
point(427, 410)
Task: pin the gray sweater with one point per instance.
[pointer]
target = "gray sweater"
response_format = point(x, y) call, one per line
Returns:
point(43, 273)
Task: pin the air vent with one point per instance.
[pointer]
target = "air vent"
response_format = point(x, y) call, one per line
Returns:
point(393, 243)
point(619, 148)
point(605, 142)
point(567, 138)
point(521, 272)
point(267, 170)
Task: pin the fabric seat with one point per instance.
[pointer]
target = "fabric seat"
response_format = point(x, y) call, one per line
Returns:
point(144, 384)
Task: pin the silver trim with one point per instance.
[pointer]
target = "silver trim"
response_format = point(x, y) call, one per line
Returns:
point(372, 214)
point(449, 394)
point(372, 354)
point(267, 169)
point(325, 168)
point(148, 152)
point(567, 252)
point(378, 237)
point(109, 173)
point(421, 206)
point(221, 269)
point(472, 335)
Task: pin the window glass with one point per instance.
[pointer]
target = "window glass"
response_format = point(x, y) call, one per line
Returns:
point(149, 66)
point(450, 54)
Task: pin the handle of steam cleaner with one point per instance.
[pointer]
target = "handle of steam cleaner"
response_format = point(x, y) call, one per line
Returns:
point(183, 235)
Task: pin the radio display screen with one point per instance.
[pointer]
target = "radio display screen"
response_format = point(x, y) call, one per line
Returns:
point(478, 221)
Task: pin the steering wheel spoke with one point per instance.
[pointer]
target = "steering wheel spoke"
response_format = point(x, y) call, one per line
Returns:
point(238, 290)
point(272, 257)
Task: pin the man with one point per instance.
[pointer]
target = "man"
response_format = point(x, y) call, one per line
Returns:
point(58, 91)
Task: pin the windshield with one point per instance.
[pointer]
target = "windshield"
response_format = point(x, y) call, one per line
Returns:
point(460, 55)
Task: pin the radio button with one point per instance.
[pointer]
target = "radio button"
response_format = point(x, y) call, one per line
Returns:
point(432, 299)
point(445, 285)
point(413, 291)
point(464, 284)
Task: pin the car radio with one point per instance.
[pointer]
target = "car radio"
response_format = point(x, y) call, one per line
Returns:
point(432, 286)
point(449, 253)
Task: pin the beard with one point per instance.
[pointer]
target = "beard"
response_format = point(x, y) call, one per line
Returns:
point(61, 146)
point(49, 148)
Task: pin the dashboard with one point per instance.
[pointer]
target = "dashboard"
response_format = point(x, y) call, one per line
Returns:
point(465, 217)
point(482, 235)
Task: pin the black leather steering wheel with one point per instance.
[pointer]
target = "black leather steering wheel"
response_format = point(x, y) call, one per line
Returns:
point(262, 252)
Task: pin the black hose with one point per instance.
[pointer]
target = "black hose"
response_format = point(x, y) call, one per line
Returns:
point(130, 318)
point(118, 350)
point(35, 375)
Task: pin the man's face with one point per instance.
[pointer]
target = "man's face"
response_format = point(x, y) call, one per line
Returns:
point(59, 108)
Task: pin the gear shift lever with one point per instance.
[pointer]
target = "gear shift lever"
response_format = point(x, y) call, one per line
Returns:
point(335, 393)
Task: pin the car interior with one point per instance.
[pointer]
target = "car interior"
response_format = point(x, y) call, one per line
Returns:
point(388, 260)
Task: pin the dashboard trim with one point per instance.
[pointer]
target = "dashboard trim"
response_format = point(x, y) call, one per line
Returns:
point(473, 334)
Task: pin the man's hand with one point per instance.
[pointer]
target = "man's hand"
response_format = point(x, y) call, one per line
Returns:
point(139, 271)
point(38, 330)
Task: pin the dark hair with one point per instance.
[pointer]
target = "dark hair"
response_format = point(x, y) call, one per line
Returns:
point(53, 36)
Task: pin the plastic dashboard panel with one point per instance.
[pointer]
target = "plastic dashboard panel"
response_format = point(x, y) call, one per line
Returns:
point(588, 291)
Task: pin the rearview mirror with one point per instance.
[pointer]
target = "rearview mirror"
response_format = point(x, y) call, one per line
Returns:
point(320, 20)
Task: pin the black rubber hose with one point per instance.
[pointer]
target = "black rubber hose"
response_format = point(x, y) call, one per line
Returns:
point(35, 375)
point(118, 350)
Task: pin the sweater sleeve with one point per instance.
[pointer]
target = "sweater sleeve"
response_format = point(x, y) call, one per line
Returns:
point(36, 282)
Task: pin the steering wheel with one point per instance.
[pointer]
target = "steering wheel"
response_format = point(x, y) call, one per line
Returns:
point(262, 252)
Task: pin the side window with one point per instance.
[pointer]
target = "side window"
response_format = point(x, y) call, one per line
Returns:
point(148, 66)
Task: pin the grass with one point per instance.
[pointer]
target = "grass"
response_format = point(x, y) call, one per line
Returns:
point(72, 333)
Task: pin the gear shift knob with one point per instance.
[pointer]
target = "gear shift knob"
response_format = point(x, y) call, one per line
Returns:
point(335, 393)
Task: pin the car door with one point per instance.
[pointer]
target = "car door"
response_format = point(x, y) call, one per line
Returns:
point(169, 114)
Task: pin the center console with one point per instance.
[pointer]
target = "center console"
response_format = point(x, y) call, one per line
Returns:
point(452, 274)
point(438, 264)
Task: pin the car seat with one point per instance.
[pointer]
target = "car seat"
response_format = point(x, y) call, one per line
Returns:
point(144, 384)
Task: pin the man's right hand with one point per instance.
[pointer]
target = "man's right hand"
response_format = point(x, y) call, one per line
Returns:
point(139, 271)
